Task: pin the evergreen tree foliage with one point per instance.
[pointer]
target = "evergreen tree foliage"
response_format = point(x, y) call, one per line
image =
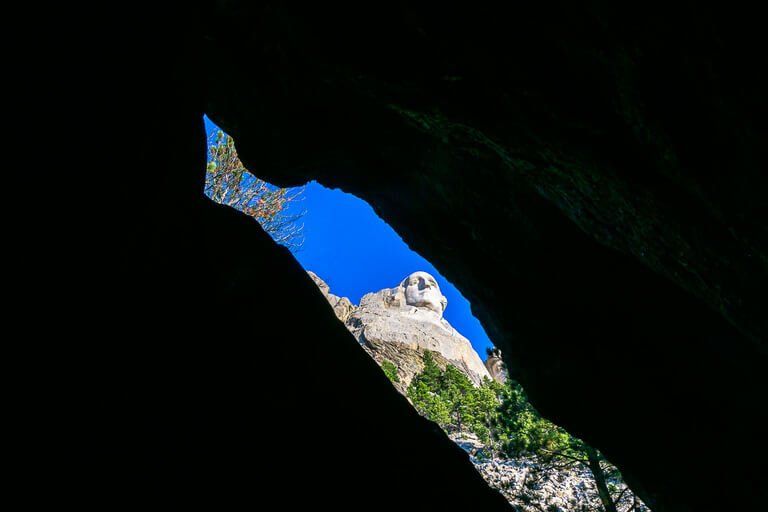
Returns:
point(425, 393)
point(390, 370)
point(503, 419)
point(451, 400)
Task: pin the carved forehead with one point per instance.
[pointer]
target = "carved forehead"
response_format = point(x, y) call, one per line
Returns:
point(422, 275)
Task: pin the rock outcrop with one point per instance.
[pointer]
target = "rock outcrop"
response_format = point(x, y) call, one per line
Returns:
point(531, 485)
point(378, 321)
point(398, 324)
point(495, 365)
point(408, 362)
point(342, 307)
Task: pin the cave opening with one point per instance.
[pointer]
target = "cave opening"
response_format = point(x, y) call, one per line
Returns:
point(592, 180)
point(395, 304)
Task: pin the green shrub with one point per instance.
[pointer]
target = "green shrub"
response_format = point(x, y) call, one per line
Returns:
point(390, 370)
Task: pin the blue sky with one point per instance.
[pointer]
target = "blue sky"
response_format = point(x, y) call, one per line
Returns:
point(355, 252)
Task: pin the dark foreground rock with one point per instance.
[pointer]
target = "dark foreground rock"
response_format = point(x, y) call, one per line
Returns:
point(199, 338)
point(593, 181)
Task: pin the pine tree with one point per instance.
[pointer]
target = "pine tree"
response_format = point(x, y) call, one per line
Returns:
point(424, 392)
point(525, 432)
point(457, 391)
point(501, 416)
point(390, 370)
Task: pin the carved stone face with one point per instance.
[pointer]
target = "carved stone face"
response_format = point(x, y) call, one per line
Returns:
point(422, 291)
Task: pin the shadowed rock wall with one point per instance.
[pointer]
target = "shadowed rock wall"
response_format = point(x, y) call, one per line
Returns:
point(592, 180)
point(212, 374)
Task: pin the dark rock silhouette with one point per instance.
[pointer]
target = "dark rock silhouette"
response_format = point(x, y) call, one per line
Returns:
point(592, 181)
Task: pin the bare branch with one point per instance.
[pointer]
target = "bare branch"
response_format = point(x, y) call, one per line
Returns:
point(229, 183)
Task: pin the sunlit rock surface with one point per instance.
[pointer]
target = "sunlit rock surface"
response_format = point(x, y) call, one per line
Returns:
point(531, 485)
point(495, 365)
point(398, 324)
point(342, 306)
point(388, 316)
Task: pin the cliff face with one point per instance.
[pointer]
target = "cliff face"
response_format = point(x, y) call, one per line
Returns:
point(399, 333)
point(408, 362)
point(375, 323)
point(342, 307)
